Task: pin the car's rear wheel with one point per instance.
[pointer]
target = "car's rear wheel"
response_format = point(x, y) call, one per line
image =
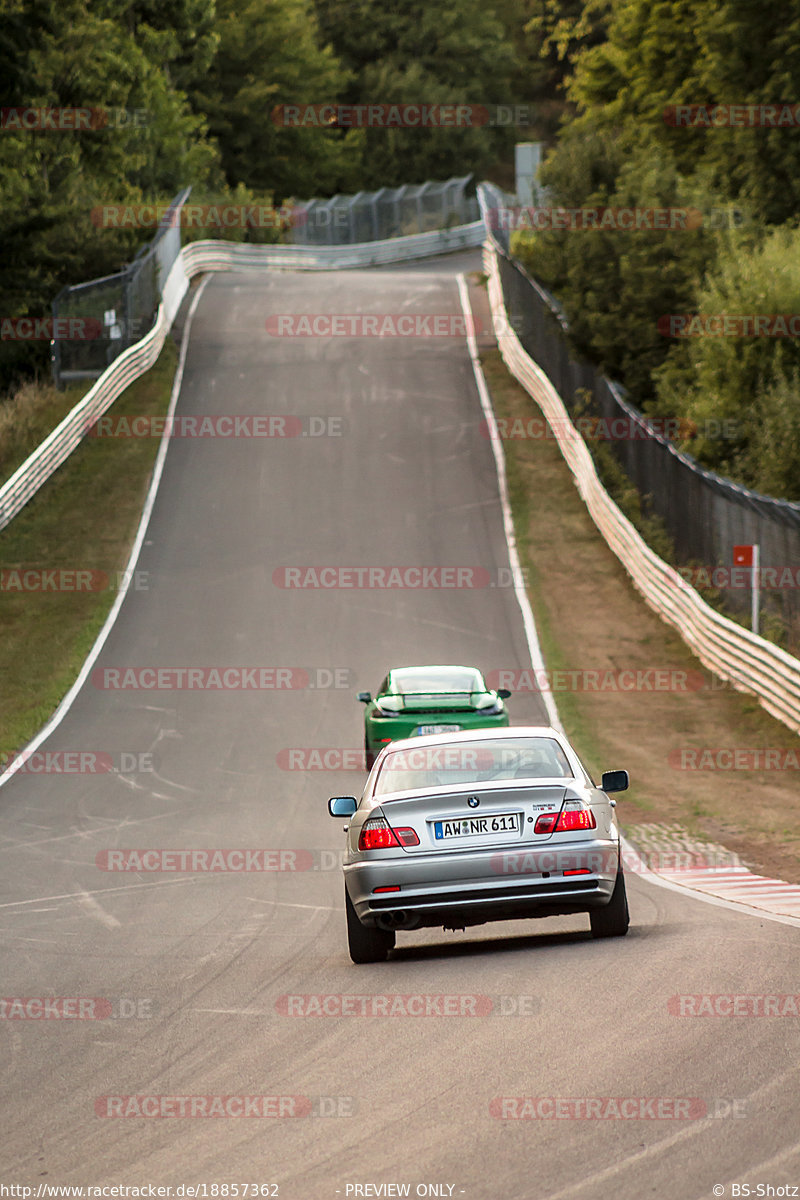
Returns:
point(612, 920)
point(366, 943)
point(369, 757)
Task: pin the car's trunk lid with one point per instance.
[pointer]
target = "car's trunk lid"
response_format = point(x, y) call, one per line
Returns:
point(502, 816)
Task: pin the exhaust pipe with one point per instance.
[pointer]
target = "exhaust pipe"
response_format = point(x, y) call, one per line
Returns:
point(399, 919)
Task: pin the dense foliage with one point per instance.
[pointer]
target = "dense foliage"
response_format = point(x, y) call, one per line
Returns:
point(191, 88)
point(628, 64)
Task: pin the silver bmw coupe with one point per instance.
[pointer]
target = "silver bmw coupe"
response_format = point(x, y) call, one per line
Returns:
point(488, 825)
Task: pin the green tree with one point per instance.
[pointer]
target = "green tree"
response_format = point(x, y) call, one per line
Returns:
point(269, 55)
point(615, 284)
point(621, 147)
point(416, 52)
point(50, 181)
point(742, 379)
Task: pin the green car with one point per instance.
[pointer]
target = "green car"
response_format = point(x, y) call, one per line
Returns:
point(413, 701)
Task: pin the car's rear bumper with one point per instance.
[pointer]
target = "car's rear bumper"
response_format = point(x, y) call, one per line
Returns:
point(394, 728)
point(470, 888)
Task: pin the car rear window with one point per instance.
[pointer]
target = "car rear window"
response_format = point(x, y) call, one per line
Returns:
point(417, 683)
point(451, 763)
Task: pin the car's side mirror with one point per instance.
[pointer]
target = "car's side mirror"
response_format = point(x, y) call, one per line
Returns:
point(342, 806)
point(615, 781)
point(503, 693)
point(364, 697)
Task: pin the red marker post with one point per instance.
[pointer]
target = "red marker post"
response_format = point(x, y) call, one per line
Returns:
point(749, 556)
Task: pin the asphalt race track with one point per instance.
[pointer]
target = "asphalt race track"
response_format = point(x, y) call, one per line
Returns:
point(206, 974)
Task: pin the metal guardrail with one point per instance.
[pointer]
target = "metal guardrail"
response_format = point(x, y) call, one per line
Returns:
point(704, 514)
point(748, 662)
point(193, 260)
point(387, 213)
point(57, 447)
point(222, 256)
point(118, 309)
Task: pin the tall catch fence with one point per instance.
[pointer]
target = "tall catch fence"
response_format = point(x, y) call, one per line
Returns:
point(705, 515)
point(387, 213)
point(104, 317)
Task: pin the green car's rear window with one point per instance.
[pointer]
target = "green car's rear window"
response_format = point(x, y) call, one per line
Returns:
point(410, 683)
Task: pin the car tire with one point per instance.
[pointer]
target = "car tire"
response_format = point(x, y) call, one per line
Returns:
point(366, 943)
point(369, 757)
point(612, 920)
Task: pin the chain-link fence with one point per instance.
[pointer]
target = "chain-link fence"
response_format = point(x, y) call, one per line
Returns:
point(94, 322)
point(387, 213)
point(705, 515)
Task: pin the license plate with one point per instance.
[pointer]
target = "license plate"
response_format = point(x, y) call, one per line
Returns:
point(487, 826)
point(436, 729)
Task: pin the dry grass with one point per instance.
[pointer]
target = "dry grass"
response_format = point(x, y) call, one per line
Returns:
point(27, 417)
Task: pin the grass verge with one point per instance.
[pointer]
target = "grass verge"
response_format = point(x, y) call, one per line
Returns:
point(83, 520)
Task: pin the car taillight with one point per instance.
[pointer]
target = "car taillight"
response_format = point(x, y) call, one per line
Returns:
point(569, 819)
point(377, 834)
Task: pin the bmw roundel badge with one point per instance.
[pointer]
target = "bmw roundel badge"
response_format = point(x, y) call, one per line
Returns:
point(473, 801)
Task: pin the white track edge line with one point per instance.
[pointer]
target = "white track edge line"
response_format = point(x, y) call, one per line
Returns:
point(66, 704)
point(533, 639)
point(519, 591)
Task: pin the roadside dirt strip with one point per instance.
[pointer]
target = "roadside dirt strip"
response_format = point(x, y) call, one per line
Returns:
point(658, 729)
